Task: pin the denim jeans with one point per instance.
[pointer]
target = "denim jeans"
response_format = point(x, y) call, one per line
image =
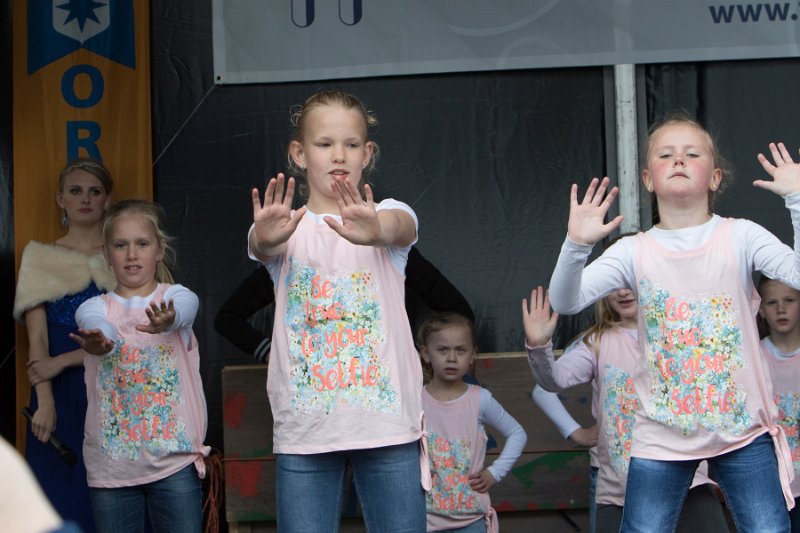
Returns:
point(592, 500)
point(310, 489)
point(174, 505)
point(748, 478)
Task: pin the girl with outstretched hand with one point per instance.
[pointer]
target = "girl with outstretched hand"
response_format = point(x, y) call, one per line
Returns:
point(702, 386)
point(344, 379)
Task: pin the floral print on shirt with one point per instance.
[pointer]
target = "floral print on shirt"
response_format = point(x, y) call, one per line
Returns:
point(334, 328)
point(693, 348)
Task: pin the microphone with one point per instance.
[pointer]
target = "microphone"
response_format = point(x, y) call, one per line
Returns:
point(64, 451)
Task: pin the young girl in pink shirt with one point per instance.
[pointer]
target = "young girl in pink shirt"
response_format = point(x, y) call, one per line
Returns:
point(606, 355)
point(344, 378)
point(702, 385)
point(779, 316)
point(147, 418)
point(456, 414)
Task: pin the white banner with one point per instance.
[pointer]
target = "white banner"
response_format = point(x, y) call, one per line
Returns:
point(259, 41)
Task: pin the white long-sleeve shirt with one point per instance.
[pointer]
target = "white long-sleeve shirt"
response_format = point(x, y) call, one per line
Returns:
point(574, 286)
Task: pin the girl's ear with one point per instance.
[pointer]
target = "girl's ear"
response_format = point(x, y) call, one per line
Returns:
point(716, 179)
point(647, 181)
point(369, 150)
point(297, 154)
point(423, 352)
point(60, 199)
point(761, 312)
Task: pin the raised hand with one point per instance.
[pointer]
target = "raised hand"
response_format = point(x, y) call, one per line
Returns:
point(360, 223)
point(161, 317)
point(586, 223)
point(93, 341)
point(538, 321)
point(785, 172)
point(273, 219)
point(481, 481)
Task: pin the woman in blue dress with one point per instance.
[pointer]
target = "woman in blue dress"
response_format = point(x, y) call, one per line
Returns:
point(54, 279)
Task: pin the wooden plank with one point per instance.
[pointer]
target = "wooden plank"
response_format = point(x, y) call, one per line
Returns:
point(509, 379)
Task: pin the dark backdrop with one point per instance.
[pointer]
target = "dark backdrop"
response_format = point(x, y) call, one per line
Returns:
point(485, 159)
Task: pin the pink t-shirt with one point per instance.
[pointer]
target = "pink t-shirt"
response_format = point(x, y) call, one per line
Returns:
point(614, 402)
point(702, 383)
point(456, 449)
point(146, 416)
point(785, 372)
point(343, 370)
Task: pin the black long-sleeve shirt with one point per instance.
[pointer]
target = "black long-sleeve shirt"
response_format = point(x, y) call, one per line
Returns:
point(423, 281)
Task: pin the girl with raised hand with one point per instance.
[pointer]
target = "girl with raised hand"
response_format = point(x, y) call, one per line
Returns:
point(702, 386)
point(147, 417)
point(606, 355)
point(344, 378)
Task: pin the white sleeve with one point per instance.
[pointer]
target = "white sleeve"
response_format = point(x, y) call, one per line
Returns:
point(577, 365)
point(493, 414)
point(766, 253)
point(574, 286)
point(93, 314)
point(399, 256)
point(552, 407)
point(186, 304)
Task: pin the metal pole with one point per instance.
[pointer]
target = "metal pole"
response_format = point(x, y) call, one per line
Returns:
point(627, 147)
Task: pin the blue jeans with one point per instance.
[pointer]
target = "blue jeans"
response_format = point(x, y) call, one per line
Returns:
point(592, 501)
point(748, 478)
point(174, 504)
point(310, 489)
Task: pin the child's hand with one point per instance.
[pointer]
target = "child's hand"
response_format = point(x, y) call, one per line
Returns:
point(785, 172)
point(482, 481)
point(585, 436)
point(93, 341)
point(539, 323)
point(360, 223)
point(161, 317)
point(585, 225)
point(273, 219)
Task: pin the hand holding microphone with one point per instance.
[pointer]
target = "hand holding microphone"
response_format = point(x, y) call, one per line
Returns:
point(64, 451)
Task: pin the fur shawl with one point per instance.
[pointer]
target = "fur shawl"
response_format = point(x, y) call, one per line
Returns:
point(48, 272)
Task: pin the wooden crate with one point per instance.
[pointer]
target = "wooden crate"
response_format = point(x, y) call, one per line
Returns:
point(551, 474)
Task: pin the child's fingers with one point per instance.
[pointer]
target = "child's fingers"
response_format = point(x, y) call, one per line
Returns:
point(785, 155)
point(289, 196)
point(573, 195)
point(590, 191)
point(600, 193)
point(368, 194)
point(539, 298)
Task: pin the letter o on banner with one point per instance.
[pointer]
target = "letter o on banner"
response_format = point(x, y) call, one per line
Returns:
point(68, 86)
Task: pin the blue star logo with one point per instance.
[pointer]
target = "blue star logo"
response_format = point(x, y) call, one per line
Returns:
point(81, 10)
point(57, 28)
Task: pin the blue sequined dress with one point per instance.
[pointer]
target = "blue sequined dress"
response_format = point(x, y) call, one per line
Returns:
point(60, 280)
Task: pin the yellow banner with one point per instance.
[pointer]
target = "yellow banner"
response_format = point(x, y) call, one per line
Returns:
point(81, 89)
